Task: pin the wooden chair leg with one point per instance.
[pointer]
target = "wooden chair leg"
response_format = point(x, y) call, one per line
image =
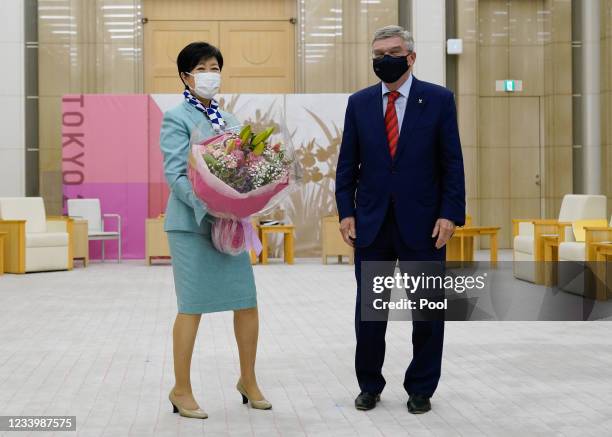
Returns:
point(468, 246)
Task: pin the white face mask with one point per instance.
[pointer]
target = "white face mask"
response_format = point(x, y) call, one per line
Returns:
point(207, 84)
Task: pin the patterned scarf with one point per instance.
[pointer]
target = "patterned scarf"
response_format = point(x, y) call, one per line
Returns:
point(212, 112)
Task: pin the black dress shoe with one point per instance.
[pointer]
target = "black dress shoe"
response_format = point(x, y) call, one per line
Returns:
point(418, 404)
point(366, 401)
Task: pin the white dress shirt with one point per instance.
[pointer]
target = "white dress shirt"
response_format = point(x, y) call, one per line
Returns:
point(400, 103)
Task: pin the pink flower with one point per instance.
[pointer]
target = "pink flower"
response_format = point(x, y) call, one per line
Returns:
point(238, 154)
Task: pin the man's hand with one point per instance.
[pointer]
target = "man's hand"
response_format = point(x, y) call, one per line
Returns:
point(443, 229)
point(347, 229)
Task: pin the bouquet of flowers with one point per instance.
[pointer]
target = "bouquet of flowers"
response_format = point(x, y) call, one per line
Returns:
point(237, 174)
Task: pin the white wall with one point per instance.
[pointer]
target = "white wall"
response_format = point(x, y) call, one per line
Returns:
point(429, 31)
point(12, 107)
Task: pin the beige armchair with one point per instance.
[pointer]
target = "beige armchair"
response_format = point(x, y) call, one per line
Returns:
point(528, 252)
point(579, 249)
point(34, 242)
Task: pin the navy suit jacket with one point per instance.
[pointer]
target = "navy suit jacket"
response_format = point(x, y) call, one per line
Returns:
point(425, 179)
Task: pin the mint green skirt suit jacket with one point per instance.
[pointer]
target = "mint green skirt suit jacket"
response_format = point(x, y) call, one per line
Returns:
point(205, 279)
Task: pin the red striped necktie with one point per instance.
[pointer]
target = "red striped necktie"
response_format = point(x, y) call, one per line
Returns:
point(391, 122)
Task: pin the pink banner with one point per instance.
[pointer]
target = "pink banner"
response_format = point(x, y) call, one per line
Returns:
point(106, 155)
point(158, 188)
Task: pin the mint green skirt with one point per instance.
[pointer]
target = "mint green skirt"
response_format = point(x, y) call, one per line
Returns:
point(207, 280)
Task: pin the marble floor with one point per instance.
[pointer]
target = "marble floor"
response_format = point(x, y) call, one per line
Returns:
point(96, 343)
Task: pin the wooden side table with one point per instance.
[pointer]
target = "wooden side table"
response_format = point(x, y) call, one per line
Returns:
point(461, 246)
point(551, 258)
point(80, 240)
point(287, 231)
point(2, 235)
point(156, 240)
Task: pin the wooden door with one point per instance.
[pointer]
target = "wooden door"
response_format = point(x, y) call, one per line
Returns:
point(525, 156)
point(163, 42)
point(259, 56)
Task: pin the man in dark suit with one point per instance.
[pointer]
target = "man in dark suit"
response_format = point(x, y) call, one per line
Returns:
point(400, 192)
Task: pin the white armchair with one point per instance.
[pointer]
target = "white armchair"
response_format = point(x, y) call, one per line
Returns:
point(34, 242)
point(576, 249)
point(90, 210)
point(528, 253)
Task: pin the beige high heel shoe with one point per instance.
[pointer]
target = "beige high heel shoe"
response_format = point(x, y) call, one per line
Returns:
point(194, 414)
point(258, 405)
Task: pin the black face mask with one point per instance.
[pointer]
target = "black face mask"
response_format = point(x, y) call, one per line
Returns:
point(390, 68)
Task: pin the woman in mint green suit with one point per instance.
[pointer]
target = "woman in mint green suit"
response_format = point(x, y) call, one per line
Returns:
point(205, 279)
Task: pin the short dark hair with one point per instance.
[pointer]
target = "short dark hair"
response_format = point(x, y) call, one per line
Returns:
point(194, 53)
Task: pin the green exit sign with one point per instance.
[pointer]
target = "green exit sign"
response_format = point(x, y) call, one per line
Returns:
point(509, 85)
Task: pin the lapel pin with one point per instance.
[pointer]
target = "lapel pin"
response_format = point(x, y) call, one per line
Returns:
point(420, 101)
